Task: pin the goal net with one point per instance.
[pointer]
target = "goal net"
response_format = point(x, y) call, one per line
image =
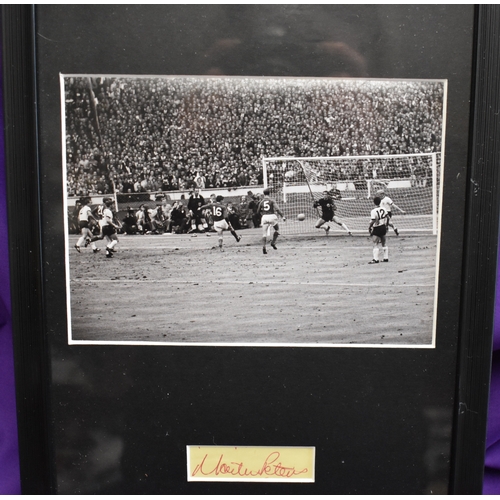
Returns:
point(412, 181)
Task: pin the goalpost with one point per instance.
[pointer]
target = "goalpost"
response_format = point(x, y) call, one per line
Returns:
point(412, 181)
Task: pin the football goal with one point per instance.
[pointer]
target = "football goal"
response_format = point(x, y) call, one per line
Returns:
point(412, 181)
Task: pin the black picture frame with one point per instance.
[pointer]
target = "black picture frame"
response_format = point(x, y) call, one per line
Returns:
point(453, 378)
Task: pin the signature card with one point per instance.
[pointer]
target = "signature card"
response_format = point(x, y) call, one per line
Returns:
point(251, 463)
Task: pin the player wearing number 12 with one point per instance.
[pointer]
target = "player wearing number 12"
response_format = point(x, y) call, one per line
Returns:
point(378, 230)
point(269, 210)
point(219, 215)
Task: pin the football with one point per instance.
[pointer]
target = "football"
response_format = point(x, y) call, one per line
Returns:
point(290, 174)
point(301, 217)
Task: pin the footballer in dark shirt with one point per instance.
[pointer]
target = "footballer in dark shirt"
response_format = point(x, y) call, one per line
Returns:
point(328, 208)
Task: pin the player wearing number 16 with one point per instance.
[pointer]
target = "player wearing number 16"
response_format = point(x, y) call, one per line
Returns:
point(219, 216)
point(269, 210)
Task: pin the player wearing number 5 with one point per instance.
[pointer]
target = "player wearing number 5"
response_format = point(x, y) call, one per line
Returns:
point(378, 230)
point(269, 210)
point(219, 216)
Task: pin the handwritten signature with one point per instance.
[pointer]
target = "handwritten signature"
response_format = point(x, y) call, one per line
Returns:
point(271, 467)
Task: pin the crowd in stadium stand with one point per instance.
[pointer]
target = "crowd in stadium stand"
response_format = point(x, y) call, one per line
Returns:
point(162, 134)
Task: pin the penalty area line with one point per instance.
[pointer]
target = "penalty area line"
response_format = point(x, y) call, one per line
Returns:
point(235, 282)
point(257, 247)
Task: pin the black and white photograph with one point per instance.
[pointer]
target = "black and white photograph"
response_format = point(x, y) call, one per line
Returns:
point(252, 211)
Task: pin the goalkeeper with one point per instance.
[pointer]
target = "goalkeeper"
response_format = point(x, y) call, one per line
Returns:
point(327, 206)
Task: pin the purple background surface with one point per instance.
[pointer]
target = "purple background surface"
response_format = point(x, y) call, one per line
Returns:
point(491, 484)
point(9, 468)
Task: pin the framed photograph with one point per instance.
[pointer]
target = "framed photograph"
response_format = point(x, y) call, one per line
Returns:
point(253, 246)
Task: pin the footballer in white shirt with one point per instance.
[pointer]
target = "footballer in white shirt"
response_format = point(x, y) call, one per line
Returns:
point(84, 219)
point(109, 227)
point(378, 231)
point(387, 204)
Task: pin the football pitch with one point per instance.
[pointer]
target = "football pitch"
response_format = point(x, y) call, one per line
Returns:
point(313, 290)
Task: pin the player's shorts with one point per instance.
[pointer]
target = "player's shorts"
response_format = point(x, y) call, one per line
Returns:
point(83, 224)
point(327, 217)
point(268, 221)
point(108, 230)
point(221, 225)
point(379, 230)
